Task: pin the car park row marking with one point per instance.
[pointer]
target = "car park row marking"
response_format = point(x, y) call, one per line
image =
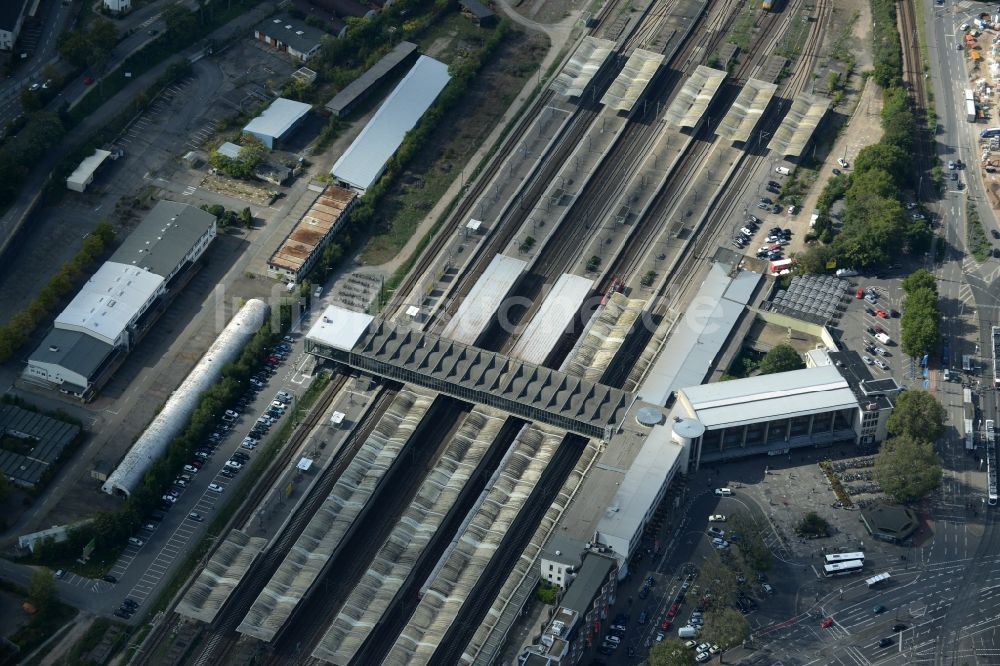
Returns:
point(168, 553)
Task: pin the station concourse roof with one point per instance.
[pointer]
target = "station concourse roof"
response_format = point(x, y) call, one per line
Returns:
point(765, 397)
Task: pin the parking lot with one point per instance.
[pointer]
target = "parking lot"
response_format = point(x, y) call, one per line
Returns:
point(202, 486)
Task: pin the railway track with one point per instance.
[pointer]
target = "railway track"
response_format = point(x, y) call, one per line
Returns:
point(481, 597)
point(259, 491)
point(708, 234)
point(467, 201)
point(913, 76)
point(371, 528)
point(222, 632)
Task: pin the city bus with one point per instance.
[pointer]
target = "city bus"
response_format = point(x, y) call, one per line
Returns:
point(833, 558)
point(843, 568)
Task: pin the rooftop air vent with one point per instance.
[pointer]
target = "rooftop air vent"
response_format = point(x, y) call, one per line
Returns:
point(53, 348)
point(299, 32)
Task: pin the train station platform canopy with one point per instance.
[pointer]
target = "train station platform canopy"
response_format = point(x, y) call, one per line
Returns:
point(695, 96)
point(230, 562)
point(798, 126)
point(583, 66)
point(746, 111)
point(465, 372)
point(476, 312)
point(632, 80)
point(554, 316)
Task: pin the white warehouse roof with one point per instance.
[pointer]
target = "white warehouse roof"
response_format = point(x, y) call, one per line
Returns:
point(339, 328)
point(81, 176)
point(484, 299)
point(364, 160)
point(766, 397)
point(277, 118)
point(109, 300)
point(174, 417)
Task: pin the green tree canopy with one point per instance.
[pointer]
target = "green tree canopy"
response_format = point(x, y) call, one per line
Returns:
point(812, 524)
point(671, 652)
point(885, 157)
point(781, 359)
point(919, 415)
point(42, 589)
point(725, 627)
point(921, 323)
point(815, 258)
point(919, 279)
point(908, 469)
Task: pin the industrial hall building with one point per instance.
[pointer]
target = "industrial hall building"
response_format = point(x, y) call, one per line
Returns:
point(120, 302)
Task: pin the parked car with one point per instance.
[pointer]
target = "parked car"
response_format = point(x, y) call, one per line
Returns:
point(215, 487)
point(169, 499)
point(110, 579)
point(716, 532)
point(842, 162)
point(136, 541)
point(197, 517)
point(717, 518)
point(190, 469)
point(234, 464)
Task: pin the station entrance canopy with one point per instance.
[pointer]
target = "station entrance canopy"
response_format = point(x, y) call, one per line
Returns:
point(530, 391)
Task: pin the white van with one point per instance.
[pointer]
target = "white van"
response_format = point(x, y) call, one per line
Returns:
point(687, 632)
point(784, 171)
point(724, 492)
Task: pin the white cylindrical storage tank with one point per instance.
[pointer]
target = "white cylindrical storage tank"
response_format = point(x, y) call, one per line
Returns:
point(176, 414)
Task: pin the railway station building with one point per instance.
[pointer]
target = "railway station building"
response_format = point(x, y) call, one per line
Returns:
point(836, 402)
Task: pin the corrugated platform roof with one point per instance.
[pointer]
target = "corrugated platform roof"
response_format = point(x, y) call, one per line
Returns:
point(694, 97)
point(798, 126)
point(581, 68)
point(632, 80)
point(746, 111)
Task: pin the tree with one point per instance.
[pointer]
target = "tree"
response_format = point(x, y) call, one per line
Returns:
point(103, 36)
point(42, 589)
point(812, 524)
point(76, 48)
point(919, 279)
point(547, 593)
point(815, 258)
point(246, 217)
point(781, 359)
point(885, 157)
point(180, 22)
point(671, 652)
point(726, 627)
point(718, 579)
point(921, 323)
point(907, 468)
point(919, 415)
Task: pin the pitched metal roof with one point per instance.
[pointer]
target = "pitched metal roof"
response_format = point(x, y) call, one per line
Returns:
point(581, 68)
point(359, 86)
point(278, 118)
point(798, 126)
point(746, 111)
point(694, 97)
point(364, 160)
point(297, 34)
point(632, 80)
point(164, 238)
point(74, 350)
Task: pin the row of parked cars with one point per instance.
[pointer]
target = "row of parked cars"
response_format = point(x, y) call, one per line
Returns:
point(204, 452)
